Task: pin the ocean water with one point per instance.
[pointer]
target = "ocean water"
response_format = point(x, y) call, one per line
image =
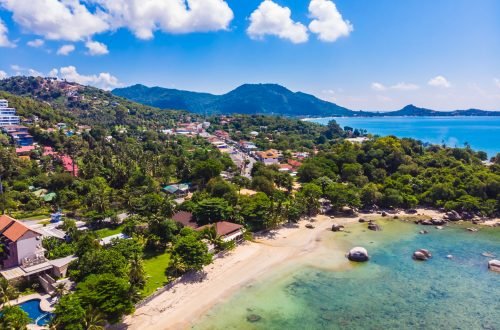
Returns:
point(391, 291)
point(482, 133)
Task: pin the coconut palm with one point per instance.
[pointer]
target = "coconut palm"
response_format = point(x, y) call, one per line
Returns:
point(60, 289)
point(7, 291)
point(94, 320)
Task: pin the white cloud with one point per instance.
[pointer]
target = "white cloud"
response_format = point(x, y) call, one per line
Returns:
point(4, 39)
point(102, 80)
point(34, 73)
point(272, 19)
point(96, 48)
point(53, 73)
point(57, 20)
point(496, 81)
point(328, 23)
point(36, 43)
point(3, 74)
point(439, 81)
point(16, 67)
point(65, 49)
point(143, 17)
point(378, 87)
point(402, 86)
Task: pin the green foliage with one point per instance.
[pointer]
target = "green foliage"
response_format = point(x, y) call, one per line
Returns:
point(189, 253)
point(13, 317)
point(107, 293)
point(69, 313)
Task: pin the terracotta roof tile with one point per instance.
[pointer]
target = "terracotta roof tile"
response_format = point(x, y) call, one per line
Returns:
point(185, 218)
point(5, 221)
point(224, 228)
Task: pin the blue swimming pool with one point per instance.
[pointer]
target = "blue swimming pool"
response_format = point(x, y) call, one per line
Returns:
point(32, 307)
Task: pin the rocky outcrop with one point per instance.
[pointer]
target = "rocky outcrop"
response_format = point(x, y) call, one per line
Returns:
point(494, 265)
point(373, 226)
point(452, 216)
point(337, 227)
point(421, 254)
point(423, 232)
point(358, 254)
point(361, 220)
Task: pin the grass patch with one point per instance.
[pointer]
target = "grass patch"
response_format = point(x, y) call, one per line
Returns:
point(105, 232)
point(36, 217)
point(155, 267)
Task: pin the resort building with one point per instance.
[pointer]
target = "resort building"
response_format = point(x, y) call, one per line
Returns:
point(227, 231)
point(269, 157)
point(186, 219)
point(23, 255)
point(20, 244)
point(19, 135)
point(7, 115)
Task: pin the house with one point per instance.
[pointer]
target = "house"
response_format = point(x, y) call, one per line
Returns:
point(181, 189)
point(247, 146)
point(66, 160)
point(21, 245)
point(269, 157)
point(294, 164)
point(24, 151)
point(227, 231)
point(108, 240)
point(19, 134)
point(285, 168)
point(222, 134)
point(186, 219)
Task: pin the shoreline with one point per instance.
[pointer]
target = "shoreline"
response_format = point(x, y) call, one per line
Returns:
point(178, 307)
point(185, 303)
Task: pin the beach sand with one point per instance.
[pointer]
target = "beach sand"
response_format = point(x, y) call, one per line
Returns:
point(187, 301)
point(178, 307)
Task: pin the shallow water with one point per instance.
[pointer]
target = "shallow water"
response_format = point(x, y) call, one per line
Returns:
point(391, 291)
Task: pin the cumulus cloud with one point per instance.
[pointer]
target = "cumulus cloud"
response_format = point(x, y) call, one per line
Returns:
point(96, 48)
point(57, 20)
point(3, 74)
point(35, 43)
point(102, 80)
point(143, 17)
point(439, 81)
point(34, 73)
point(402, 86)
point(272, 19)
point(65, 49)
point(327, 21)
point(4, 39)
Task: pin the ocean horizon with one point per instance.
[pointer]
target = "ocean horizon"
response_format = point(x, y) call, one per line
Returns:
point(481, 133)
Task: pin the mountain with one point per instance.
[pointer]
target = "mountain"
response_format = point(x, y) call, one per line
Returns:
point(270, 99)
point(413, 111)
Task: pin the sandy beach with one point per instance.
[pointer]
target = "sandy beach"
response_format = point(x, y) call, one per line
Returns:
point(188, 300)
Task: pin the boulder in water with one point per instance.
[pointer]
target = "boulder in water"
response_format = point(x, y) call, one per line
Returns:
point(421, 254)
point(252, 318)
point(336, 227)
point(494, 265)
point(453, 216)
point(423, 232)
point(373, 226)
point(359, 254)
point(361, 220)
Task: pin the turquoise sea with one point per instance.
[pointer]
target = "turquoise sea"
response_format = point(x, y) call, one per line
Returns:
point(482, 133)
point(391, 291)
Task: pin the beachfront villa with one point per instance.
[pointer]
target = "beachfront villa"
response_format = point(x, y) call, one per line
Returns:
point(23, 256)
point(227, 231)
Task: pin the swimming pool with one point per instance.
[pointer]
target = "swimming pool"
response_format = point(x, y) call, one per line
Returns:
point(32, 307)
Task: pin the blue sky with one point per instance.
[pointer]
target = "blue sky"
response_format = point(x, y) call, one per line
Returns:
point(362, 54)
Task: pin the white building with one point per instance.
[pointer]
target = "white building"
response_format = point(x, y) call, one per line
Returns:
point(7, 115)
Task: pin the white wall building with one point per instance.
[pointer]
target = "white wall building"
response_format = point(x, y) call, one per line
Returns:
point(7, 115)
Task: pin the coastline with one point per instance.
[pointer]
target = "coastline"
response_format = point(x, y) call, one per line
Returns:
point(191, 298)
point(188, 300)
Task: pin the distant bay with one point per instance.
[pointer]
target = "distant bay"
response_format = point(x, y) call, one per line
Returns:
point(481, 133)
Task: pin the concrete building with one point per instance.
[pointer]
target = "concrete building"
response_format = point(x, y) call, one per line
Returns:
point(7, 115)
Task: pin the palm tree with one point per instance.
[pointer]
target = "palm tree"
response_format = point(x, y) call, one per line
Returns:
point(137, 275)
point(94, 320)
point(60, 289)
point(7, 291)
